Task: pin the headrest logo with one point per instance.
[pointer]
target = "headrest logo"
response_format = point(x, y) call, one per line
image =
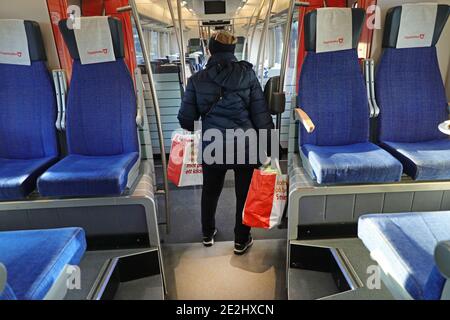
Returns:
point(102, 51)
point(418, 36)
point(339, 41)
point(17, 54)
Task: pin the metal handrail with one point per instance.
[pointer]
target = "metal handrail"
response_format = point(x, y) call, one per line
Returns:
point(182, 55)
point(262, 43)
point(285, 54)
point(134, 11)
point(245, 52)
point(175, 28)
point(254, 28)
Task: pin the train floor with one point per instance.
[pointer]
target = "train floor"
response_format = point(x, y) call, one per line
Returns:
point(196, 272)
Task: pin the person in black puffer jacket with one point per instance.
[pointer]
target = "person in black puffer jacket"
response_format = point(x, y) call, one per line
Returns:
point(226, 95)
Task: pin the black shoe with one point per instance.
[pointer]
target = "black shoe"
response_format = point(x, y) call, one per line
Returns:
point(208, 241)
point(241, 248)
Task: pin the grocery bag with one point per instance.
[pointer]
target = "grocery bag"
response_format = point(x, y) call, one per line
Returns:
point(266, 198)
point(183, 168)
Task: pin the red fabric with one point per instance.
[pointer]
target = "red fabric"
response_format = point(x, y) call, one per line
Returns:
point(258, 205)
point(95, 8)
point(92, 8)
point(58, 10)
point(365, 42)
point(175, 165)
point(336, 3)
point(130, 51)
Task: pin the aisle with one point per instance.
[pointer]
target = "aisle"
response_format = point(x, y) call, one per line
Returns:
point(196, 272)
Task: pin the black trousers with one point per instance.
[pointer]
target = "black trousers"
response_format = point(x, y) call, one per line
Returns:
point(213, 180)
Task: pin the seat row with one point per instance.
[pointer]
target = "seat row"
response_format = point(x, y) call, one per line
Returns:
point(409, 91)
point(103, 149)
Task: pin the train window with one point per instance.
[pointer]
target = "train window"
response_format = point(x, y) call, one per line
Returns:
point(138, 48)
point(279, 37)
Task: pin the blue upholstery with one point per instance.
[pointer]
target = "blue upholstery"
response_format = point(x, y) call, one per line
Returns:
point(101, 110)
point(333, 94)
point(428, 160)
point(355, 163)
point(412, 98)
point(78, 175)
point(27, 127)
point(7, 294)
point(403, 245)
point(411, 95)
point(18, 176)
point(35, 258)
point(101, 133)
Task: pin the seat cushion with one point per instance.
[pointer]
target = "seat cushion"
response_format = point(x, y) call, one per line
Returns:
point(355, 163)
point(34, 259)
point(18, 177)
point(78, 175)
point(403, 245)
point(428, 160)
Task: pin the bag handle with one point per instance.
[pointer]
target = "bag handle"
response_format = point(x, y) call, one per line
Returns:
point(268, 164)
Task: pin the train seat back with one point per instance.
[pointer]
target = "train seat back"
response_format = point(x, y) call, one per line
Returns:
point(103, 150)
point(35, 260)
point(332, 92)
point(411, 93)
point(28, 143)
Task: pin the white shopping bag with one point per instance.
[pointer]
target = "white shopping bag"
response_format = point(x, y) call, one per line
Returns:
point(184, 169)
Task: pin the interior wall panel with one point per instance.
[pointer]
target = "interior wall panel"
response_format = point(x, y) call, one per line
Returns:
point(35, 10)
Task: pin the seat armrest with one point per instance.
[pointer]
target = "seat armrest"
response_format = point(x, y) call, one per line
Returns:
point(442, 257)
point(303, 117)
point(2, 277)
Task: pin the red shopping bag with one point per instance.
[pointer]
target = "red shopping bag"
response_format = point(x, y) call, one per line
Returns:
point(266, 199)
point(183, 168)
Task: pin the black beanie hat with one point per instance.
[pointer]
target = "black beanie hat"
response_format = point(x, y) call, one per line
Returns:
point(222, 42)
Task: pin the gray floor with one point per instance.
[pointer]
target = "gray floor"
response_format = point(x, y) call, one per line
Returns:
point(316, 285)
point(186, 219)
point(195, 272)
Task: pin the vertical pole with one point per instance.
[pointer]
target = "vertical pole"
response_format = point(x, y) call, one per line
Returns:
point(146, 53)
point(245, 47)
point(254, 29)
point(182, 55)
point(263, 35)
point(285, 55)
point(175, 28)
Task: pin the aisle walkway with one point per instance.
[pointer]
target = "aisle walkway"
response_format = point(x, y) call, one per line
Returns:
point(196, 272)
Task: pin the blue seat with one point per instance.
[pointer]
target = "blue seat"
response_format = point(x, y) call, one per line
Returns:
point(353, 163)
point(403, 245)
point(333, 94)
point(106, 175)
point(28, 144)
point(34, 259)
point(103, 150)
point(411, 93)
point(429, 160)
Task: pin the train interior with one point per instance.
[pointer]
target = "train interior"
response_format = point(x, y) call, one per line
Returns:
point(358, 91)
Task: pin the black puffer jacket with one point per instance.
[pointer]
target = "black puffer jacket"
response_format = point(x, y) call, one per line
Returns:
point(242, 104)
